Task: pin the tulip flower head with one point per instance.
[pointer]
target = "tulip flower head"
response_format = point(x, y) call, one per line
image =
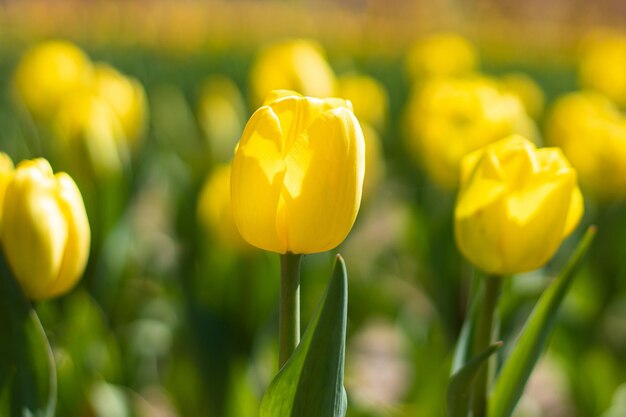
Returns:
point(516, 205)
point(297, 175)
point(45, 232)
point(442, 55)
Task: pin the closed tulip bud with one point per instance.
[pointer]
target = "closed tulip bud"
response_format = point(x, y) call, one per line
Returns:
point(126, 97)
point(449, 118)
point(516, 205)
point(297, 175)
point(602, 64)
point(592, 133)
point(441, 55)
point(48, 73)
point(215, 211)
point(6, 174)
point(45, 232)
point(368, 97)
point(296, 64)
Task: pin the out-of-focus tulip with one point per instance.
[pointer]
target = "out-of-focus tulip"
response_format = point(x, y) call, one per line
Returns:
point(297, 65)
point(516, 205)
point(602, 64)
point(441, 55)
point(215, 211)
point(6, 174)
point(592, 133)
point(90, 136)
point(221, 113)
point(48, 73)
point(527, 90)
point(297, 175)
point(45, 232)
point(374, 160)
point(449, 118)
point(126, 97)
point(368, 97)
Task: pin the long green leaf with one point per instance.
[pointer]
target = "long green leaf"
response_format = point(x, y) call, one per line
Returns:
point(311, 382)
point(460, 386)
point(27, 370)
point(519, 365)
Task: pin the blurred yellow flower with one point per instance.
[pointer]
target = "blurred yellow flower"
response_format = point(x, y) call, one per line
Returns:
point(48, 73)
point(90, 136)
point(441, 55)
point(126, 97)
point(368, 97)
point(602, 63)
point(516, 205)
point(6, 174)
point(215, 211)
point(592, 133)
point(45, 232)
point(297, 65)
point(221, 113)
point(527, 90)
point(448, 118)
point(297, 175)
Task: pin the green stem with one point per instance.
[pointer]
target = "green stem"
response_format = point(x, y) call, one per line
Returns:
point(482, 340)
point(289, 310)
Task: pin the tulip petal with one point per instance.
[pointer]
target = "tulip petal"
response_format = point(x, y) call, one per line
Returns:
point(257, 180)
point(323, 183)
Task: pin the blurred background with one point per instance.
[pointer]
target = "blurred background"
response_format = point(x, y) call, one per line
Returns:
point(142, 102)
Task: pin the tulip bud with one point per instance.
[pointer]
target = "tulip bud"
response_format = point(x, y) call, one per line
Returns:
point(297, 65)
point(126, 97)
point(215, 211)
point(297, 175)
point(441, 55)
point(48, 73)
point(516, 205)
point(449, 118)
point(6, 174)
point(592, 133)
point(45, 232)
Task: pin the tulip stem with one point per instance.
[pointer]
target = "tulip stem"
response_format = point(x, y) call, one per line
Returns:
point(482, 340)
point(289, 310)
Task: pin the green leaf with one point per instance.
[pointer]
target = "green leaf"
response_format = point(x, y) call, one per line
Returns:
point(461, 382)
point(311, 382)
point(27, 370)
point(518, 366)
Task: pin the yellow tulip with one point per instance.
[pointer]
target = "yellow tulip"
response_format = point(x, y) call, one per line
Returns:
point(215, 211)
point(516, 205)
point(449, 118)
point(441, 55)
point(45, 232)
point(592, 133)
point(297, 175)
point(6, 174)
point(297, 65)
point(368, 97)
point(48, 73)
point(126, 97)
point(602, 64)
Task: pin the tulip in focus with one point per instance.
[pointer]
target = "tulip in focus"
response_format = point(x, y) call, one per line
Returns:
point(126, 97)
point(48, 73)
point(6, 174)
point(215, 211)
point(45, 232)
point(297, 175)
point(449, 118)
point(592, 133)
point(441, 55)
point(296, 64)
point(515, 206)
point(602, 64)
point(368, 97)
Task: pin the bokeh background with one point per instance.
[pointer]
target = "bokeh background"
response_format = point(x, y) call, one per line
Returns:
point(176, 316)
